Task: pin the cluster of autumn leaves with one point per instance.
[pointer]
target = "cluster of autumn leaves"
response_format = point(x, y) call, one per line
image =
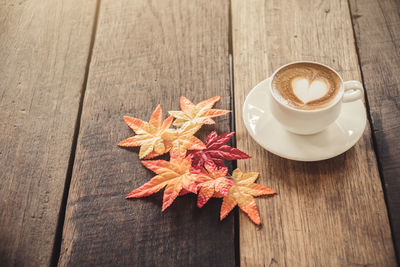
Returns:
point(194, 166)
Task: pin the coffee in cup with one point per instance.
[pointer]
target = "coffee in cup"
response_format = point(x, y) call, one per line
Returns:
point(306, 86)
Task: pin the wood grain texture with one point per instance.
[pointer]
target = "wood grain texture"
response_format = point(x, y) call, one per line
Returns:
point(44, 47)
point(328, 213)
point(145, 53)
point(376, 27)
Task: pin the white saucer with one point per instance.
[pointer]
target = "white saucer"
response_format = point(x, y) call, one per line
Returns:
point(268, 133)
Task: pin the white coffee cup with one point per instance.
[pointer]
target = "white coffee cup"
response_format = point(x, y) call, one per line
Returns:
point(306, 122)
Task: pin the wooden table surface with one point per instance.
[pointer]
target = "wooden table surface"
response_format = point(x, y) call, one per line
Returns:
point(71, 69)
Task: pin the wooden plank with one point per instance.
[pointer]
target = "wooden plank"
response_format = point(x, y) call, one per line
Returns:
point(376, 27)
point(44, 49)
point(145, 53)
point(328, 213)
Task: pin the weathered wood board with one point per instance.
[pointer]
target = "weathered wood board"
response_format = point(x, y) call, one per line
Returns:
point(146, 53)
point(328, 213)
point(44, 48)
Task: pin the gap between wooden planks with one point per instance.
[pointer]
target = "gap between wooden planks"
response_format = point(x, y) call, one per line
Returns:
point(328, 213)
point(44, 49)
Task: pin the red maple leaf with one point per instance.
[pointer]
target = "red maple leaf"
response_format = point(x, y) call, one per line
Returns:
point(215, 153)
point(213, 181)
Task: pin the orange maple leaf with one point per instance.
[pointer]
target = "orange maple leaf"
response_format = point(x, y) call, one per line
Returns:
point(242, 193)
point(197, 114)
point(183, 139)
point(174, 175)
point(213, 182)
point(148, 135)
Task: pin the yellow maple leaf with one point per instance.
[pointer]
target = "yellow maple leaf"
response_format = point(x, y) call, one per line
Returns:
point(183, 139)
point(174, 175)
point(242, 193)
point(148, 135)
point(197, 114)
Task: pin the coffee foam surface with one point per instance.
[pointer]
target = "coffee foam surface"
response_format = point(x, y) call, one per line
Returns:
point(306, 86)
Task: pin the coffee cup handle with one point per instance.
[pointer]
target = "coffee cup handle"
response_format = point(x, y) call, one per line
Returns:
point(353, 90)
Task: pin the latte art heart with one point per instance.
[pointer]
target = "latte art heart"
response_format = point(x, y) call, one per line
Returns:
point(306, 85)
point(306, 91)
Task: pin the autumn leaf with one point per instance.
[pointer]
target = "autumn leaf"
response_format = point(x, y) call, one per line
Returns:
point(148, 135)
point(197, 114)
point(242, 193)
point(174, 175)
point(183, 139)
point(212, 181)
point(216, 152)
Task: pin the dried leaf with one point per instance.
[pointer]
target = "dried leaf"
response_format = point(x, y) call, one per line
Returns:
point(148, 135)
point(174, 175)
point(242, 193)
point(197, 114)
point(183, 139)
point(213, 181)
point(216, 152)
point(207, 173)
